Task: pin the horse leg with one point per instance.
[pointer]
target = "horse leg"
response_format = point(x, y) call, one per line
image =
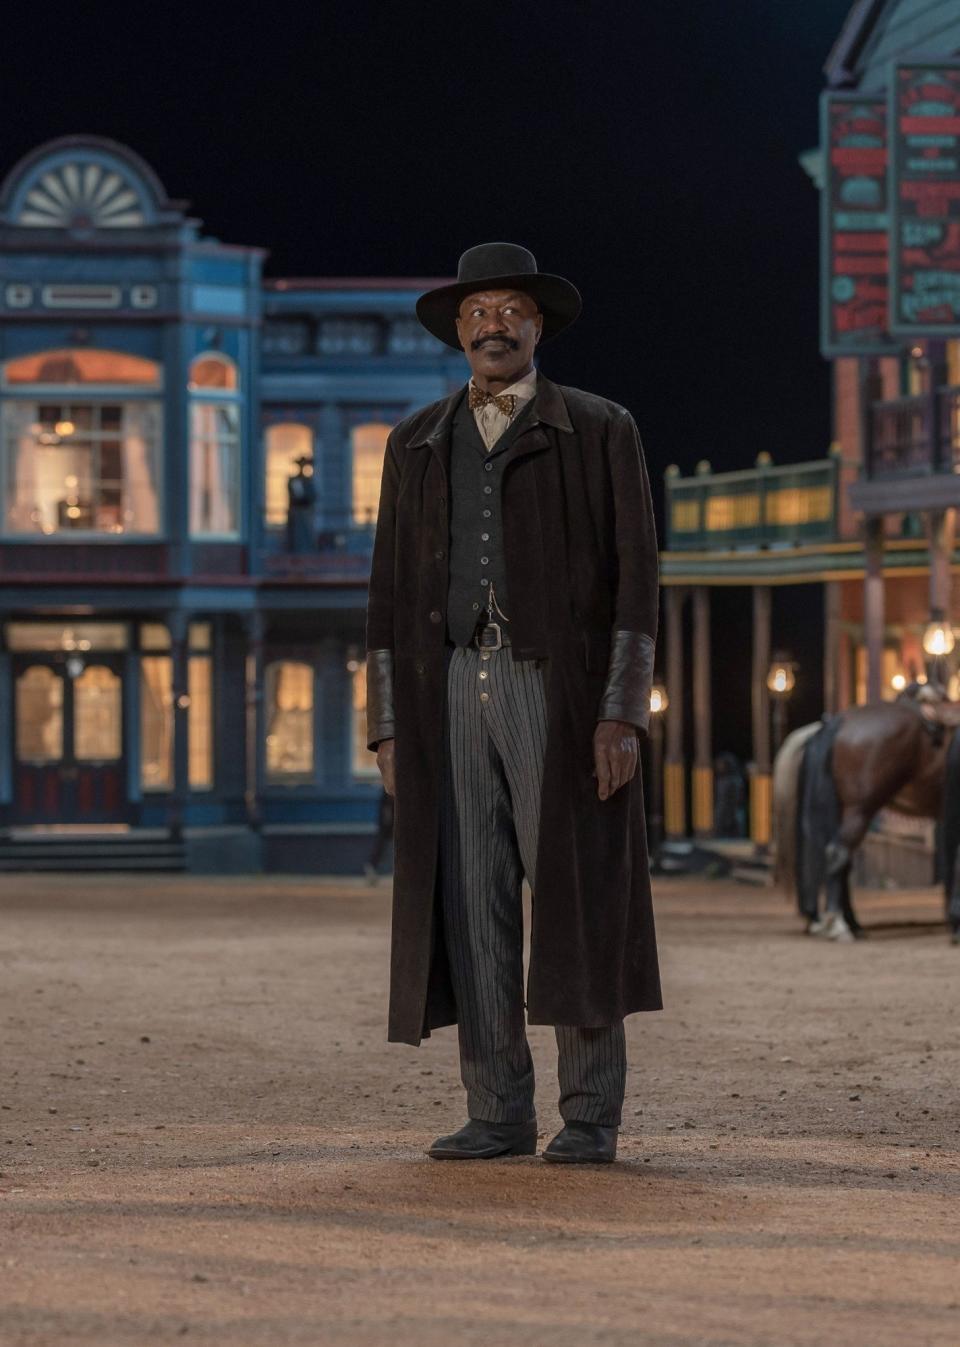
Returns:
point(953, 906)
point(841, 921)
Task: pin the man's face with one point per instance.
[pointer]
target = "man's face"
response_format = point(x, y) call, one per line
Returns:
point(499, 330)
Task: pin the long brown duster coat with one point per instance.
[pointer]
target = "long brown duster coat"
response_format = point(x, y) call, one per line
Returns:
point(581, 560)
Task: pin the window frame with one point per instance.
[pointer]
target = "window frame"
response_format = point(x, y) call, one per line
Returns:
point(200, 396)
point(93, 396)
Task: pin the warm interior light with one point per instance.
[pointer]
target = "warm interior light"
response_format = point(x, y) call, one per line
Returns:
point(898, 682)
point(781, 680)
point(659, 701)
point(64, 427)
point(938, 638)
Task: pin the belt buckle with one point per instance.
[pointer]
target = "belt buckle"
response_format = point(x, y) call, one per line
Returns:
point(480, 638)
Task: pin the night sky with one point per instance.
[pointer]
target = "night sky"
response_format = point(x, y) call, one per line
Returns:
point(646, 151)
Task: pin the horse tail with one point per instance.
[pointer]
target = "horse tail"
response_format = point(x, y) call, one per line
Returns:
point(818, 815)
point(786, 785)
point(950, 816)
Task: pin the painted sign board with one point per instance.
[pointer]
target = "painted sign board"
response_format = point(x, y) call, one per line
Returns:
point(855, 226)
point(925, 199)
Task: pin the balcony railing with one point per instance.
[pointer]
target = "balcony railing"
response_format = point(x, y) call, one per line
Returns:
point(915, 436)
point(757, 507)
point(339, 549)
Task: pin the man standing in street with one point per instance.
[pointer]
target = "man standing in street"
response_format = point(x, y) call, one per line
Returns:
point(510, 641)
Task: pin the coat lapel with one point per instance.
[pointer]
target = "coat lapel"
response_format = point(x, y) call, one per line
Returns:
point(550, 410)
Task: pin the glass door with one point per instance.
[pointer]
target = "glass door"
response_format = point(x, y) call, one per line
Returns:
point(68, 736)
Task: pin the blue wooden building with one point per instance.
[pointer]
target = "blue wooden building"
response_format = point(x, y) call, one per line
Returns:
point(191, 461)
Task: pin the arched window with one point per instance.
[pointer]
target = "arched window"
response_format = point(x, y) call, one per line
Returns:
point(214, 447)
point(286, 441)
point(369, 442)
point(213, 370)
point(288, 692)
point(81, 441)
point(68, 367)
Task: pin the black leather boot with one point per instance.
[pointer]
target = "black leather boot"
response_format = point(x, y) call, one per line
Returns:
point(582, 1143)
point(485, 1140)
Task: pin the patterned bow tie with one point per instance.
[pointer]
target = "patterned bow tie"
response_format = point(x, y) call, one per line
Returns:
point(504, 402)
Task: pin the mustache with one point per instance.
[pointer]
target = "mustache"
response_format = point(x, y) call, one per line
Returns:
point(504, 340)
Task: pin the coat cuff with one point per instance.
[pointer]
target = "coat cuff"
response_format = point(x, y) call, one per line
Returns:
point(626, 693)
point(380, 719)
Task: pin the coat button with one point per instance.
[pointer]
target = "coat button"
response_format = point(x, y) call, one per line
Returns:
point(485, 537)
point(420, 666)
point(486, 513)
point(484, 581)
point(438, 555)
point(484, 561)
point(435, 615)
point(488, 490)
point(488, 467)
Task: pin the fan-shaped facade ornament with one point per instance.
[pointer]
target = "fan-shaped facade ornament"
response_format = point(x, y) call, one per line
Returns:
point(77, 195)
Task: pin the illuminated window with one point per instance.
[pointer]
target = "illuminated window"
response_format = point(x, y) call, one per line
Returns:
point(214, 448)
point(156, 722)
point(286, 442)
point(77, 460)
point(213, 371)
point(369, 443)
point(97, 715)
point(364, 763)
point(200, 714)
point(67, 368)
point(156, 709)
point(288, 688)
point(39, 715)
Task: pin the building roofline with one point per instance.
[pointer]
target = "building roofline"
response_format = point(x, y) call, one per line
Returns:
point(419, 283)
point(856, 32)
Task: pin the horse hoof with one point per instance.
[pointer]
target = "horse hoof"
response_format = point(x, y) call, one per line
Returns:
point(838, 930)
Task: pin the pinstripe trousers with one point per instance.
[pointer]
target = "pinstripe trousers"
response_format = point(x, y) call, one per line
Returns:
point(494, 740)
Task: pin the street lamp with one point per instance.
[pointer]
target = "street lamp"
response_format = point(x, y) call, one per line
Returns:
point(659, 701)
point(781, 681)
point(938, 641)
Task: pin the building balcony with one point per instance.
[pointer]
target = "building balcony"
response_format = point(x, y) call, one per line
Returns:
point(912, 454)
point(339, 550)
point(760, 507)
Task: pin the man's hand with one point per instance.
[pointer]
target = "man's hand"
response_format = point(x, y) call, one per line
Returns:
point(616, 754)
point(385, 761)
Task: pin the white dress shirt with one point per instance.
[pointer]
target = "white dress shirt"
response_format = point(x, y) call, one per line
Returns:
point(492, 422)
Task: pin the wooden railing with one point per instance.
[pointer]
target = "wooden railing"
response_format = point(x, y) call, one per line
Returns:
point(756, 507)
point(914, 436)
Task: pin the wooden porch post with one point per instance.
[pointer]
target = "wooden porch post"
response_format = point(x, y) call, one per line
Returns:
point(178, 623)
point(760, 783)
point(873, 606)
point(674, 785)
point(831, 647)
point(702, 729)
point(254, 626)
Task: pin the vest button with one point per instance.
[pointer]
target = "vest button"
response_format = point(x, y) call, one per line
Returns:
point(435, 615)
point(438, 555)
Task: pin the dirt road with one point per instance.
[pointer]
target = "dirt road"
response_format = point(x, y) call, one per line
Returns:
point(204, 1137)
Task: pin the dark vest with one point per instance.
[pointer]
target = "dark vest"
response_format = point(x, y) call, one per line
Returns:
point(476, 522)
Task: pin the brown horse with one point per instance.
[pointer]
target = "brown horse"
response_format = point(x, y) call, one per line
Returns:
point(831, 779)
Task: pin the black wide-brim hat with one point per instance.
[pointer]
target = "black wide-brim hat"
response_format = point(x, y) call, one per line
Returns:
point(499, 266)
